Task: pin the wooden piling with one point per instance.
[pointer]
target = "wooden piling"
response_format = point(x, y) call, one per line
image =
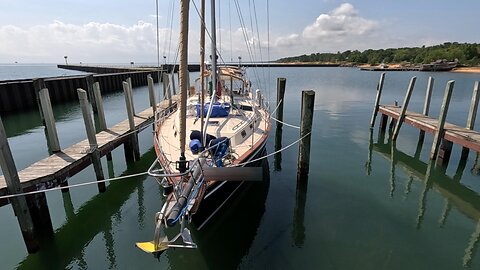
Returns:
point(151, 93)
point(172, 84)
point(38, 84)
point(377, 99)
point(308, 102)
point(92, 139)
point(441, 119)
point(19, 204)
point(91, 95)
point(444, 153)
point(404, 108)
point(281, 82)
point(102, 123)
point(132, 151)
point(472, 114)
point(38, 206)
point(130, 92)
point(426, 107)
point(383, 123)
point(167, 94)
point(46, 106)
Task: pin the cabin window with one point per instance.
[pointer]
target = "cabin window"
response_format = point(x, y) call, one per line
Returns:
point(243, 133)
point(251, 126)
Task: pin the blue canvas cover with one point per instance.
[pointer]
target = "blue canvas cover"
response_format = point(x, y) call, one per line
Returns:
point(218, 110)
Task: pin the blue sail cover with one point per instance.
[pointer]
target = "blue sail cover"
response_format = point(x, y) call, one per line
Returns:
point(218, 110)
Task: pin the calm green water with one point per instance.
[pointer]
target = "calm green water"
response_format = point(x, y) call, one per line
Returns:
point(368, 204)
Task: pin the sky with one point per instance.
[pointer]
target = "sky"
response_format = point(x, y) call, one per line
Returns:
point(124, 31)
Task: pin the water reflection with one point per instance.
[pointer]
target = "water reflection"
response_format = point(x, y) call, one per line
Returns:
point(92, 218)
point(299, 214)
point(461, 197)
point(234, 229)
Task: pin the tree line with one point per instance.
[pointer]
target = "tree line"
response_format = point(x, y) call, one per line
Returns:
point(467, 54)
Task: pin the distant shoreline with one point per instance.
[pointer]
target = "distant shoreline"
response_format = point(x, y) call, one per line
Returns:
point(467, 69)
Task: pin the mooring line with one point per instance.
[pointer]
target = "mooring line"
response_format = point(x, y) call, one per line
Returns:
point(275, 119)
point(271, 154)
point(286, 124)
point(72, 186)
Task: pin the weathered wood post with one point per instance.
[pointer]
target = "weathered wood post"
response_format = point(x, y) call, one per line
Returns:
point(19, 204)
point(426, 106)
point(132, 152)
point(167, 94)
point(46, 106)
point(308, 102)
point(130, 92)
point(91, 96)
point(281, 82)
point(401, 118)
point(393, 121)
point(39, 84)
point(92, 139)
point(151, 94)
point(172, 83)
point(472, 114)
point(377, 99)
point(441, 120)
point(102, 123)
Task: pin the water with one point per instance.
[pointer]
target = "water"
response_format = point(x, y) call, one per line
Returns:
point(360, 211)
point(29, 71)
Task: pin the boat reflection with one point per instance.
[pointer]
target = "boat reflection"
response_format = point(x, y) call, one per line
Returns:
point(434, 177)
point(233, 229)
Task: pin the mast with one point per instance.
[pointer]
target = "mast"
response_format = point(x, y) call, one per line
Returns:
point(214, 69)
point(184, 9)
point(202, 65)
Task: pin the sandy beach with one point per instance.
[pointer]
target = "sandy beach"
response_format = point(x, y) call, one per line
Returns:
point(467, 69)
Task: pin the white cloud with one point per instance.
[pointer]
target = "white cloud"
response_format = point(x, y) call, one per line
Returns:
point(332, 31)
point(91, 42)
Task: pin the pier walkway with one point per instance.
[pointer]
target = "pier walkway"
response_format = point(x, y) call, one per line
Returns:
point(455, 134)
point(55, 169)
point(445, 134)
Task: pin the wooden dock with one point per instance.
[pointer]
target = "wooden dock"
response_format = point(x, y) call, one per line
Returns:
point(32, 209)
point(453, 133)
point(445, 134)
point(55, 169)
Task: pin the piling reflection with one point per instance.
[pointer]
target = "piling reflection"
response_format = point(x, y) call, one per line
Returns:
point(278, 145)
point(433, 176)
point(298, 233)
point(93, 218)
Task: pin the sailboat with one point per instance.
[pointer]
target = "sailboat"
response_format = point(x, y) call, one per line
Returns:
point(208, 147)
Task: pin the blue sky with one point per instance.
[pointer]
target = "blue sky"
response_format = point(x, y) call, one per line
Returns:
point(120, 31)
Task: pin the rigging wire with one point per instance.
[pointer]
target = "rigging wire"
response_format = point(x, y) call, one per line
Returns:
point(230, 22)
point(245, 35)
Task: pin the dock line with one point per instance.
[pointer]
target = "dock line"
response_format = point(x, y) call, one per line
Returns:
point(72, 186)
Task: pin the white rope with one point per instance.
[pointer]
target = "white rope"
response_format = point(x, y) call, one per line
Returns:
point(72, 186)
point(276, 108)
point(271, 154)
point(286, 124)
